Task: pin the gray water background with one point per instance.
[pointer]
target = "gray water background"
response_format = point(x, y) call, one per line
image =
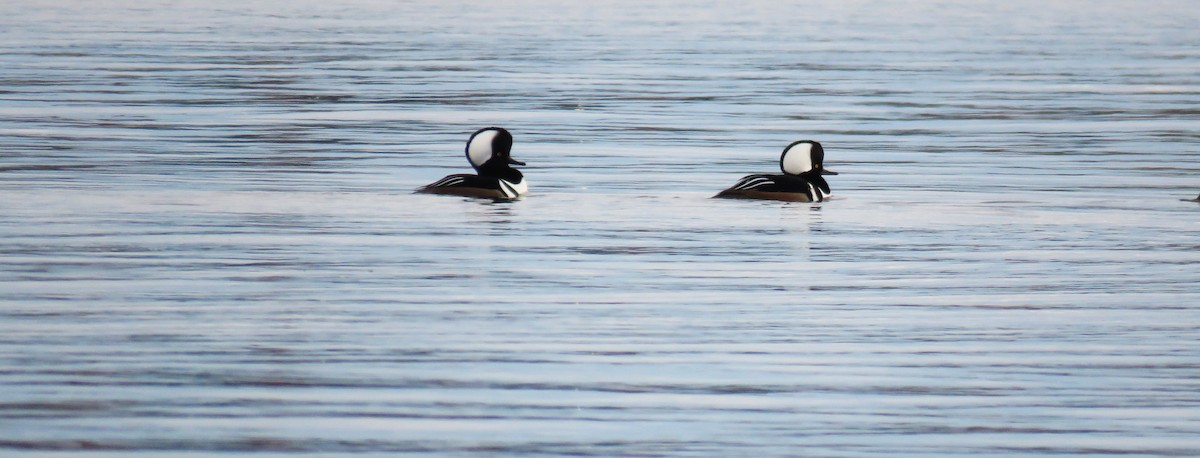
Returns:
point(209, 245)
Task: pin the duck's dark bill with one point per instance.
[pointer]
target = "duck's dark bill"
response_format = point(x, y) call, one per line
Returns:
point(828, 172)
point(514, 161)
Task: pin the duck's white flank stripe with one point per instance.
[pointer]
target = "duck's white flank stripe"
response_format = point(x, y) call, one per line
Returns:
point(448, 181)
point(751, 183)
point(511, 190)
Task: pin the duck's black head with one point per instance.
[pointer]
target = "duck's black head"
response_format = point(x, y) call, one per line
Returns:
point(804, 157)
point(489, 151)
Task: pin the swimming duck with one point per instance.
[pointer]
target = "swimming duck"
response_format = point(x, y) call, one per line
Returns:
point(801, 181)
point(489, 151)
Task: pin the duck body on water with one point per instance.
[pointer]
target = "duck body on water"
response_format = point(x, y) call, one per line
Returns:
point(801, 181)
point(489, 150)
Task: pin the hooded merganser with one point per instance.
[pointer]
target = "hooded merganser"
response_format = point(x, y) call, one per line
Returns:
point(801, 180)
point(489, 151)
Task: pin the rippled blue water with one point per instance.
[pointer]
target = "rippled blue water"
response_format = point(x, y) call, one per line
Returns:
point(209, 245)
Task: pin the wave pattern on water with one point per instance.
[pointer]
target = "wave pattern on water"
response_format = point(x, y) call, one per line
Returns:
point(209, 245)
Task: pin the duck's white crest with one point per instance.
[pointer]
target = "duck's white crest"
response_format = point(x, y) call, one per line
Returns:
point(479, 150)
point(797, 159)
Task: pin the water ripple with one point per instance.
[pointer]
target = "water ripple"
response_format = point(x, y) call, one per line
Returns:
point(209, 243)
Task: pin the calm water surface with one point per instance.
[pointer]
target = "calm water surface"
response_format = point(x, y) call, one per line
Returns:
point(209, 245)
